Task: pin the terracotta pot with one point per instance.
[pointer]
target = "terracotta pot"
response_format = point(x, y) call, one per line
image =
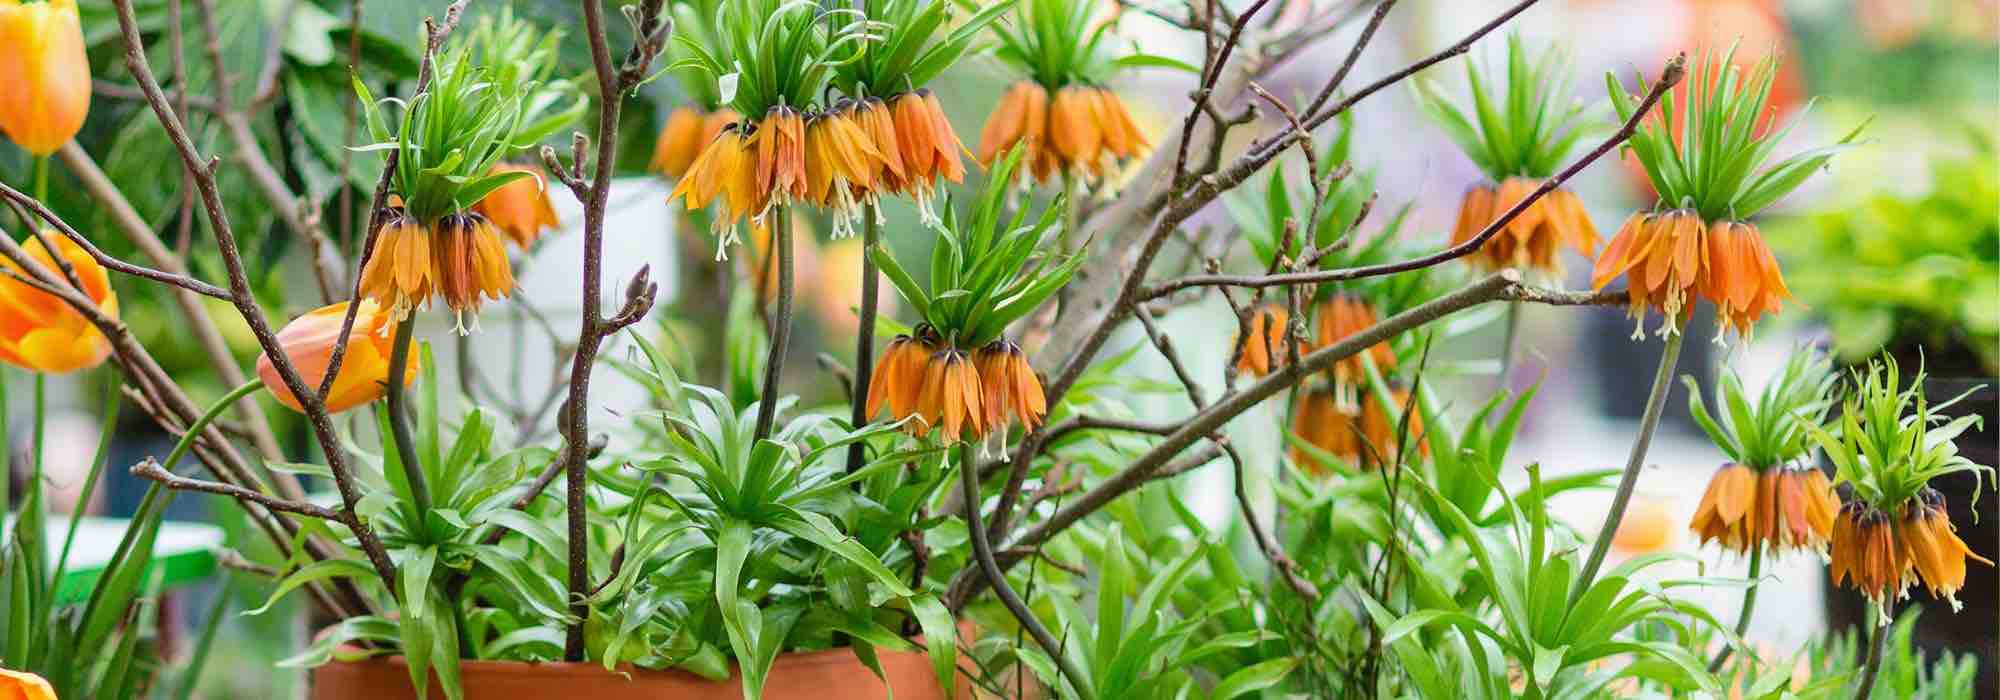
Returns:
point(833, 674)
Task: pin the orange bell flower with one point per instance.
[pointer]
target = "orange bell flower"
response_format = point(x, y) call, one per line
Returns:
point(1012, 391)
point(1778, 508)
point(1263, 349)
point(686, 133)
point(1932, 546)
point(44, 74)
point(21, 685)
point(1531, 239)
point(41, 333)
point(521, 209)
point(1081, 130)
point(898, 381)
point(1343, 315)
point(1671, 258)
point(364, 370)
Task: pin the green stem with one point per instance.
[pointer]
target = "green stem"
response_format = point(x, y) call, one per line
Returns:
point(41, 421)
point(107, 428)
point(1512, 337)
point(6, 465)
point(42, 179)
point(1655, 403)
point(201, 424)
point(399, 425)
point(1743, 617)
point(781, 323)
point(1877, 634)
point(982, 550)
point(864, 336)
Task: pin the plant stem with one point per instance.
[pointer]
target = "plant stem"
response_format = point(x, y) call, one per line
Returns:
point(1749, 603)
point(864, 335)
point(982, 550)
point(1877, 634)
point(41, 182)
point(1513, 336)
point(781, 323)
point(41, 421)
point(399, 425)
point(1655, 403)
point(106, 423)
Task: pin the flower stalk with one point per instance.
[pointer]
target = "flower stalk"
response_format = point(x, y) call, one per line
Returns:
point(982, 550)
point(1656, 402)
point(781, 320)
point(864, 336)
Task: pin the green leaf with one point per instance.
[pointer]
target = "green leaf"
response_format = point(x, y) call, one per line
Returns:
point(1255, 677)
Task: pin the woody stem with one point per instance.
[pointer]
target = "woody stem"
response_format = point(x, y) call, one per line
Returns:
point(864, 336)
point(1749, 603)
point(982, 551)
point(1655, 403)
point(781, 321)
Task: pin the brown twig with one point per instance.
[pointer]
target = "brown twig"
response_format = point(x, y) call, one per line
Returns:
point(1501, 286)
point(149, 468)
point(612, 82)
point(241, 296)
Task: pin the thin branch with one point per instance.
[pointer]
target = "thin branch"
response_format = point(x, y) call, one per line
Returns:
point(1503, 285)
point(1670, 77)
point(1273, 551)
point(149, 468)
point(242, 298)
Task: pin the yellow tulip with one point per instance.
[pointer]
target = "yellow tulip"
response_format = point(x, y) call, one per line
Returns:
point(46, 90)
point(364, 371)
point(40, 332)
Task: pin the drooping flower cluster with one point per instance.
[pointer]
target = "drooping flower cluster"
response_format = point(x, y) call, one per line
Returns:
point(1766, 499)
point(1518, 132)
point(1532, 239)
point(1895, 531)
point(1882, 553)
point(837, 159)
point(1366, 434)
point(1671, 258)
point(1780, 508)
point(1071, 126)
point(1335, 319)
point(956, 371)
point(1081, 131)
point(454, 199)
point(932, 384)
point(1698, 242)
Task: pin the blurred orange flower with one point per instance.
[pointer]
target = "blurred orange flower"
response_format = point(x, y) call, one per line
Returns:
point(44, 74)
point(41, 333)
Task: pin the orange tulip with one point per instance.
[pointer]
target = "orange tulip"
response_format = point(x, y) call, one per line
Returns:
point(20, 685)
point(40, 332)
point(44, 74)
point(308, 342)
point(521, 209)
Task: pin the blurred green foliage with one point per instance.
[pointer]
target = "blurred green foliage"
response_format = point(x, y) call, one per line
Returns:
point(1894, 273)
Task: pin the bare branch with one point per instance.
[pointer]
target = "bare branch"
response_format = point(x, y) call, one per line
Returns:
point(149, 468)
